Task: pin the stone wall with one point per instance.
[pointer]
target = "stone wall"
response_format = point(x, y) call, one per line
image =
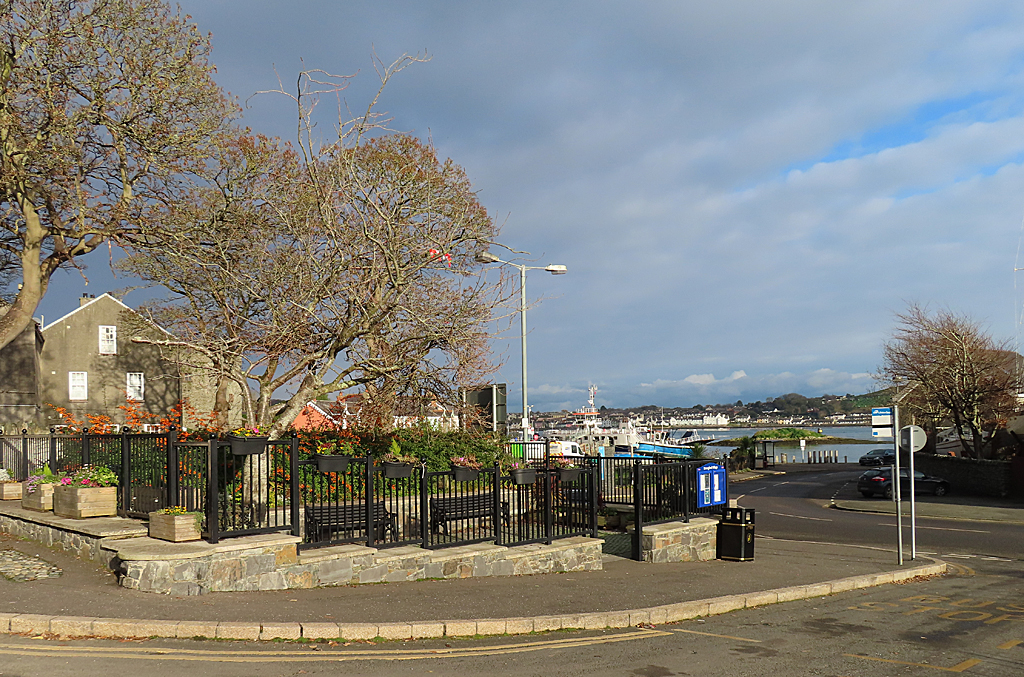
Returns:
point(692, 541)
point(967, 475)
point(270, 562)
point(81, 545)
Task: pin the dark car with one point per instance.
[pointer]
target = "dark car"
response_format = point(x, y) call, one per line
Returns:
point(878, 457)
point(879, 481)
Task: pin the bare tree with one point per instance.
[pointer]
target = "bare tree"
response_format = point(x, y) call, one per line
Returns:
point(103, 105)
point(955, 371)
point(311, 274)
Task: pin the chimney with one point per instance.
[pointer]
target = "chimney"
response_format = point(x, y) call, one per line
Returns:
point(86, 298)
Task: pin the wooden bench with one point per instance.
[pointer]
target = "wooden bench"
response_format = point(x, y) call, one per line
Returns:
point(470, 506)
point(327, 522)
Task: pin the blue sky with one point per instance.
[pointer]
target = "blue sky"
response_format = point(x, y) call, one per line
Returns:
point(744, 192)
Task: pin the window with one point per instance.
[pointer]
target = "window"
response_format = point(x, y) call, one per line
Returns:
point(136, 389)
point(108, 340)
point(78, 386)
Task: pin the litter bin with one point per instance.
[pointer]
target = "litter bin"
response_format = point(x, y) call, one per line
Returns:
point(736, 535)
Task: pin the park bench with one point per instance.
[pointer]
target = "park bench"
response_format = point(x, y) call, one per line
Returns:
point(454, 508)
point(341, 521)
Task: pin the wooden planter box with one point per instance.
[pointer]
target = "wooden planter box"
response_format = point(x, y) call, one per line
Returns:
point(41, 499)
point(82, 502)
point(10, 491)
point(174, 528)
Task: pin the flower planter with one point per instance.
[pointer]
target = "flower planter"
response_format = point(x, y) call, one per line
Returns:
point(397, 471)
point(248, 446)
point(523, 475)
point(174, 528)
point(329, 463)
point(81, 502)
point(10, 491)
point(569, 474)
point(464, 474)
point(41, 499)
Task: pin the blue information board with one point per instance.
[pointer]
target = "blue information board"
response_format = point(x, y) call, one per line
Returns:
point(710, 485)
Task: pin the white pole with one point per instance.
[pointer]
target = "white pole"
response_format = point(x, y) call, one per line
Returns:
point(522, 316)
point(896, 482)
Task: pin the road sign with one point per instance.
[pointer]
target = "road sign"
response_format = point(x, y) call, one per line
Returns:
point(710, 485)
point(881, 421)
point(912, 438)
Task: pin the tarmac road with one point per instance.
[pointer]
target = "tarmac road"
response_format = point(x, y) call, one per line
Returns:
point(798, 506)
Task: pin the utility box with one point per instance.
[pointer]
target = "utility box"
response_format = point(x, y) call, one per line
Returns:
point(735, 542)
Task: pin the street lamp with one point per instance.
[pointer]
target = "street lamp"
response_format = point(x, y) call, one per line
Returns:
point(554, 269)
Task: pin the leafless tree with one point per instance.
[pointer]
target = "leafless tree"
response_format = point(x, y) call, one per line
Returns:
point(321, 270)
point(103, 105)
point(955, 371)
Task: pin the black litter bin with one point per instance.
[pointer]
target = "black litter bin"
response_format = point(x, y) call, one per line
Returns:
point(736, 535)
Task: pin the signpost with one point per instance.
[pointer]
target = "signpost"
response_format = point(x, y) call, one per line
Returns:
point(912, 439)
point(710, 485)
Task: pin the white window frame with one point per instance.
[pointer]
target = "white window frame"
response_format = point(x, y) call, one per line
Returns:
point(78, 386)
point(108, 339)
point(139, 387)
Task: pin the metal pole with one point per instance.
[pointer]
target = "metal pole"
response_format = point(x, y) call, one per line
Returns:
point(522, 317)
point(896, 481)
point(913, 504)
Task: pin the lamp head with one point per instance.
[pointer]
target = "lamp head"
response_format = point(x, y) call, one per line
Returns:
point(486, 257)
point(556, 269)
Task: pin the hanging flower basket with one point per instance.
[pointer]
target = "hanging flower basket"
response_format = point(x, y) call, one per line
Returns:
point(523, 475)
point(569, 474)
point(248, 446)
point(464, 474)
point(397, 471)
point(332, 463)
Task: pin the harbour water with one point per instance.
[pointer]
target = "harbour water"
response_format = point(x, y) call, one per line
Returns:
point(851, 452)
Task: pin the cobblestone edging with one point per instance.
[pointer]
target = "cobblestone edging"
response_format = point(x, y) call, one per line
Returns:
point(272, 563)
point(17, 566)
point(126, 628)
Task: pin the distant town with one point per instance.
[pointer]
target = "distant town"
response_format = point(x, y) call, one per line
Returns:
point(788, 410)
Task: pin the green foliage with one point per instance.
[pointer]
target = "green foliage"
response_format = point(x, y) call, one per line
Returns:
point(787, 434)
point(93, 476)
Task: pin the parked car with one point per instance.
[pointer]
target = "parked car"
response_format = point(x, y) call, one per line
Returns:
point(879, 481)
point(878, 457)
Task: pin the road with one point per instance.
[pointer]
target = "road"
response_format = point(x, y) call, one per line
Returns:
point(795, 506)
point(970, 622)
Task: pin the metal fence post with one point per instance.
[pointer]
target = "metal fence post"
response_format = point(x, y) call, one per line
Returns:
point(86, 452)
point(548, 508)
point(293, 475)
point(24, 450)
point(53, 450)
point(126, 473)
point(638, 511)
point(212, 495)
point(173, 469)
point(497, 504)
point(686, 489)
point(593, 499)
point(368, 503)
point(424, 517)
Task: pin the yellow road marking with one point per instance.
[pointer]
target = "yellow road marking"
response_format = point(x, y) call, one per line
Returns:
point(711, 634)
point(959, 569)
point(969, 663)
point(1012, 643)
point(324, 655)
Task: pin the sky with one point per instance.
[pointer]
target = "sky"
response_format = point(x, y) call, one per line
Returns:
point(744, 193)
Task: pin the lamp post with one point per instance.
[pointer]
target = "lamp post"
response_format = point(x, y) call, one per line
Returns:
point(554, 269)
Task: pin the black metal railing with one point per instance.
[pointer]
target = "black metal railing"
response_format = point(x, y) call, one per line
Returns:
point(615, 483)
point(249, 493)
point(665, 492)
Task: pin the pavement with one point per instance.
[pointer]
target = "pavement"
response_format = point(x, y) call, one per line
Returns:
point(86, 601)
